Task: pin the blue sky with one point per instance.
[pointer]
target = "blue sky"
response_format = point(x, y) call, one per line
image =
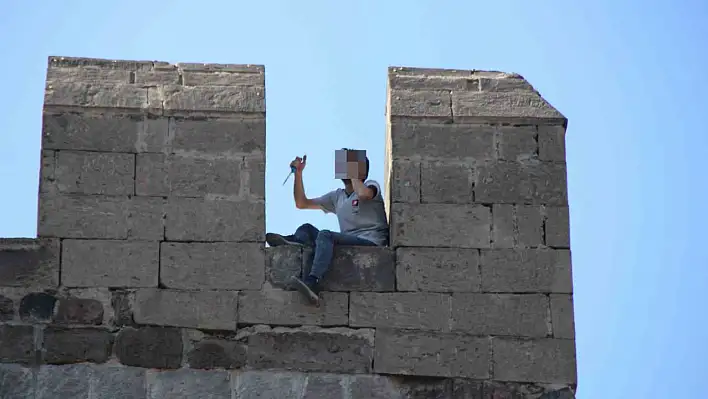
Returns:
point(631, 76)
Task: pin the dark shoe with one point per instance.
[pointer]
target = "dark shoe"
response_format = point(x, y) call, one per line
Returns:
point(274, 240)
point(308, 288)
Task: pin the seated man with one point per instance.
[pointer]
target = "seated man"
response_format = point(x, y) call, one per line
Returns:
point(359, 208)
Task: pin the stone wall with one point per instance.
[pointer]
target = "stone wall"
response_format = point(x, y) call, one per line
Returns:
point(149, 278)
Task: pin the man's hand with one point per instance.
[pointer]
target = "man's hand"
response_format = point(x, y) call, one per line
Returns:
point(365, 193)
point(299, 163)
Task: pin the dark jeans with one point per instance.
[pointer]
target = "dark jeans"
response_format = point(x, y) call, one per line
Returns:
point(323, 241)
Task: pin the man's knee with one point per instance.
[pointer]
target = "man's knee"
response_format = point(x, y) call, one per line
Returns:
point(306, 226)
point(324, 235)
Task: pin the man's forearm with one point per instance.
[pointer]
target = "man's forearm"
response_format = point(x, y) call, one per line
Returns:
point(299, 191)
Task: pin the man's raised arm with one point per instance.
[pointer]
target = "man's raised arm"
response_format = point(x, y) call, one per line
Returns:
point(301, 200)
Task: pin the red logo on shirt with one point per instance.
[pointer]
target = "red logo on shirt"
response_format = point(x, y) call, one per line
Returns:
point(355, 202)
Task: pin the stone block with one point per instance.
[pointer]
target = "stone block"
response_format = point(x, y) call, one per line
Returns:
point(437, 270)
point(551, 143)
point(540, 360)
point(73, 310)
point(16, 382)
point(217, 353)
point(157, 78)
point(312, 349)
point(428, 104)
point(290, 308)
point(209, 310)
point(562, 316)
point(107, 263)
point(409, 310)
point(226, 266)
point(444, 225)
point(404, 181)
point(17, 345)
point(505, 84)
point(76, 345)
point(269, 385)
point(427, 82)
point(121, 301)
point(253, 177)
point(518, 143)
point(557, 227)
point(447, 182)
point(63, 382)
point(95, 173)
point(197, 78)
point(501, 314)
point(219, 136)
point(95, 216)
point(95, 95)
point(47, 175)
point(152, 175)
point(513, 390)
point(282, 263)
point(526, 270)
point(423, 387)
point(7, 308)
point(374, 386)
point(188, 384)
point(149, 347)
point(234, 99)
point(30, 263)
point(503, 226)
point(519, 107)
point(118, 382)
point(442, 141)
point(529, 222)
point(472, 389)
point(357, 268)
point(196, 219)
point(319, 386)
point(529, 183)
point(88, 74)
point(434, 354)
point(37, 307)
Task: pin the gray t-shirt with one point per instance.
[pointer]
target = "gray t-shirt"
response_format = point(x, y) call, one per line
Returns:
point(364, 219)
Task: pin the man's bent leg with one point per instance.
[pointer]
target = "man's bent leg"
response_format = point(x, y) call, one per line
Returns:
point(304, 235)
point(324, 250)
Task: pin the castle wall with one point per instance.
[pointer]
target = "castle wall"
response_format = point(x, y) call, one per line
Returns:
point(149, 277)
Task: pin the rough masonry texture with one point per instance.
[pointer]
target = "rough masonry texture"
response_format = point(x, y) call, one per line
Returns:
point(149, 277)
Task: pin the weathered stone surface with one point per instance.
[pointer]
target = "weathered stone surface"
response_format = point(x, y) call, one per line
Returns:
point(414, 310)
point(290, 308)
point(517, 143)
point(88, 74)
point(63, 382)
point(562, 316)
point(37, 307)
point(425, 387)
point(513, 390)
point(228, 266)
point(82, 62)
point(219, 136)
point(94, 173)
point(539, 360)
point(47, 169)
point(357, 269)
point(7, 308)
point(503, 226)
point(501, 314)
point(103, 132)
point(196, 219)
point(437, 270)
point(433, 82)
point(210, 310)
point(234, 99)
point(551, 143)
point(206, 67)
point(420, 104)
point(80, 216)
point(434, 354)
point(186, 176)
point(447, 182)
point(29, 263)
point(372, 387)
point(217, 353)
point(282, 263)
point(529, 222)
point(426, 225)
point(557, 227)
point(195, 78)
point(404, 181)
point(189, 384)
point(339, 350)
point(319, 386)
point(150, 347)
point(118, 382)
point(17, 344)
point(526, 270)
point(100, 263)
point(122, 311)
point(16, 382)
point(530, 183)
point(95, 95)
point(472, 389)
point(269, 385)
point(151, 175)
point(76, 345)
point(517, 107)
point(157, 78)
point(507, 83)
point(447, 141)
point(79, 311)
point(253, 177)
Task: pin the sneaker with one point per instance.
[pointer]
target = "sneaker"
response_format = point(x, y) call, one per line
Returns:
point(274, 240)
point(307, 288)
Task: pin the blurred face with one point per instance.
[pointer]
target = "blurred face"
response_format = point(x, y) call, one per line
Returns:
point(350, 164)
